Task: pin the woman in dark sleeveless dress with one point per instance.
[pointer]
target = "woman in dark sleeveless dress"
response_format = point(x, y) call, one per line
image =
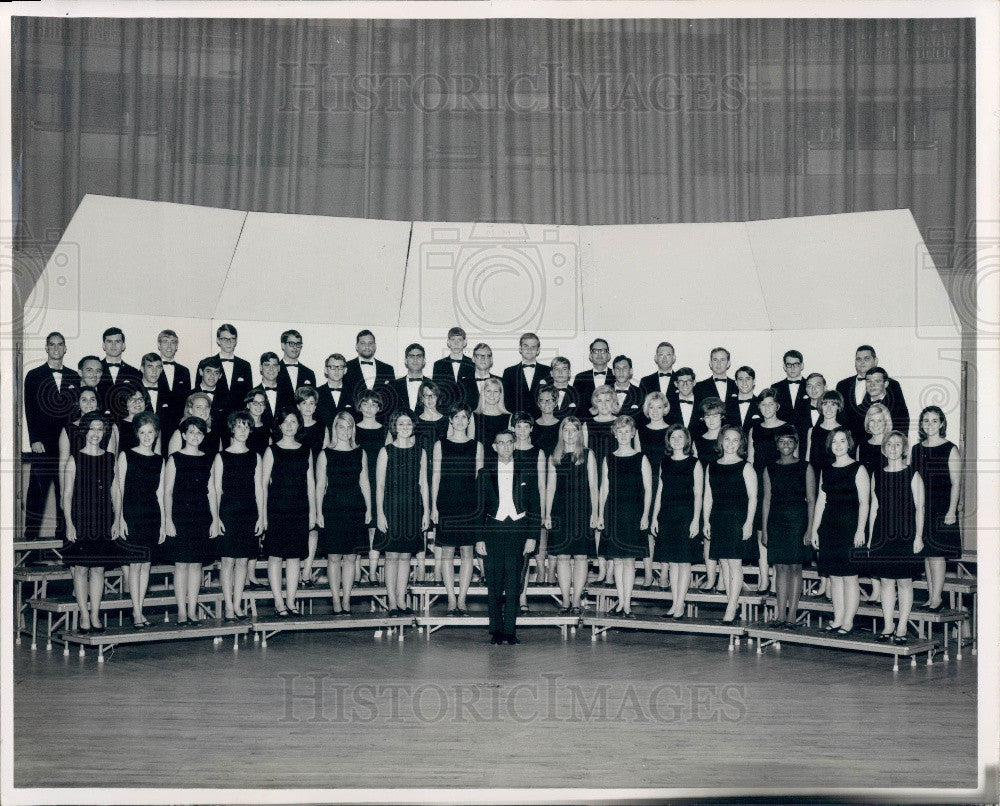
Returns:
point(402, 503)
point(260, 433)
point(490, 417)
point(626, 494)
point(73, 436)
point(831, 405)
point(838, 527)
point(198, 404)
point(139, 506)
point(571, 499)
point(429, 428)
point(457, 459)
point(939, 464)
point(730, 503)
point(135, 403)
point(371, 435)
point(90, 519)
point(676, 519)
point(534, 464)
point(289, 508)
point(763, 452)
point(878, 424)
point(896, 524)
point(789, 499)
point(345, 497)
point(189, 515)
point(598, 438)
point(706, 448)
point(313, 436)
point(545, 432)
point(239, 495)
point(653, 444)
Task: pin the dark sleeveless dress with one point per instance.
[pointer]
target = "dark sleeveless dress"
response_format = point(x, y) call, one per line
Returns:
point(708, 450)
point(93, 516)
point(840, 521)
point(487, 427)
point(427, 433)
point(819, 456)
point(788, 517)
point(940, 539)
point(140, 507)
point(403, 506)
point(544, 437)
point(456, 499)
point(312, 436)
point(126, 436)
point(371, 441)
point(259, 439)
point(765, 453)
point(345, 530)
point(622, 537)
point(890, 552)
point(601, 441)
point(729, 512)
point(653, 443)
point(191, 514)
point(77, 437)
point(238, 505)
point(288, 504)
point(571, 506)
point(527, 460)
point(870, 456)
point(673, 542)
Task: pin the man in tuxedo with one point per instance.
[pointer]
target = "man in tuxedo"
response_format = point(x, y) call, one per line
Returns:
point(879, 391)
point(742, 410)
point(237, 378)
point(332, 397)
point(406, 390)
point(367, 372)
point(506, 498)
point(790, 392)
point(115, 371)
point(718, 385)
point(628, 394)
point(684, 413)
point(268, 386)
point(91, 370)
point(455, 373)
point(521, 381)
point(50, 395)
point(600, 375)
point(157, 402)
point(292, 374)
point(174, 383)
point(482, 358)
point(210, 382)
point(663, 379)
point(568, 400)
point(855, 388)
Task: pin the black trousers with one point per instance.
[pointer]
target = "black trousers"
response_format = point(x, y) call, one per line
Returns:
point(42, 475)
point(504, 557)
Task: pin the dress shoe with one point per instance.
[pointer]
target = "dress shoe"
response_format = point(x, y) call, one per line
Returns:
point(496, 638)
point(510, 638)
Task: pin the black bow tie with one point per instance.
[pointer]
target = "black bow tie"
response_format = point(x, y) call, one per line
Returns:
point(481, 380)
point(168, 363)
point(269, 388)
point(55, 370)
point(526, 366)
point(456, 361)
point(230, 360)
point(621, 391)
point(665, 374)
point(414, 380)
point(688, 402)
point(369, 363)
point(151, 389)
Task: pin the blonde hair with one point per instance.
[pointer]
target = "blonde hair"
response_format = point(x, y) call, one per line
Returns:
point(599, 392)
point(491, 382)
point(579, 452)
point(344, 417)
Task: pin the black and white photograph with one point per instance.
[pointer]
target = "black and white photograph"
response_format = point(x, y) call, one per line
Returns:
point(516, 402)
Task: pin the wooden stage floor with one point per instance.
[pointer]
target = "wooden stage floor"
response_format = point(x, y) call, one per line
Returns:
point(636, 710)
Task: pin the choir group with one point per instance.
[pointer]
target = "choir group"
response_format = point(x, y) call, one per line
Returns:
point(152, 463)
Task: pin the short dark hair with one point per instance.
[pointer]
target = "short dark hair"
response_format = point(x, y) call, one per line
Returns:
point(288, 334)
point(94, 416)
point(791, 354)
point(226, 328)
point(306, 393)
point(212, 361)
point(622, 358)
point(456, 331)
point(55, 333)
point(268, 356)
point(942, 431)
point(144, 418)
point(85, 359)
point(151, 358)
point(362, 334)
point(787, 431)
point(666, 344)
point(241, 416)
point(197, 422)
point(504, 432)
point(748, 370)
point(113, 331)
point(866, 348)
point(283, 414)
point(415, 346)
point(521, 417)
point(840, 429)
point(715, 350)
point(602, 341)
point(335, 357)
point(877, 371)
point(684, 372)
point(526, 336)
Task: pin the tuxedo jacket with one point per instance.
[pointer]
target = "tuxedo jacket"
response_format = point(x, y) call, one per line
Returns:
point(795, 411)
point(517, 395)
point(524, 490)
point(286, 394)
point(854, 413)
point(897, 410)
point(464, 390)
point(355, 381)
point(704, 390)
point(675, 416)
point(267, 417)
point(573, 402)
point(732, 415)
point(220, 408)
point(400, 397)
point(46, 408)
point(651, 383)
point(164, 409)
point(114, 402)
point(175, 396)
point(126, 372)
point(631, 404)
point(242, 383)
point(585, 386)
point(326, 409)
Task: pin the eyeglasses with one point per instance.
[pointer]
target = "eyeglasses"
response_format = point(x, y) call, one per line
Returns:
point(294, 343)
point(791, 364)
point(428, 394)
point(258, 402)
point(600, 350)
point(227, 338)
